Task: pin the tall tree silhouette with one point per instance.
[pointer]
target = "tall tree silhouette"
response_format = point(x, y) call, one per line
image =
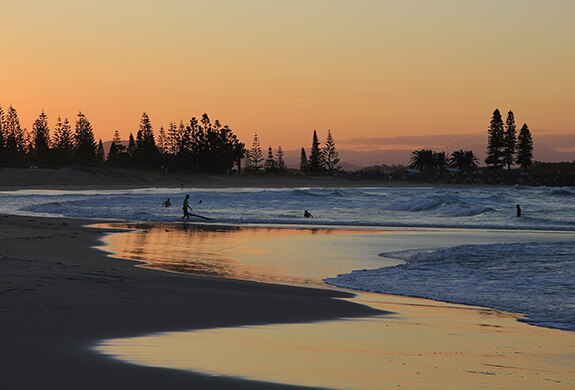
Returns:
point(330, 155)
point(146, 152)
point(40, 146)
point(100, 154)
point(162, 141)
point(280, 162)
point(524, 148)
point(495, 141)
point(16, 138)
point(510, 140)
point(270, 163)
point(85, 144)
point(254, 158)
point(63, 142)
point(2, 137)
point(131, 150)
point(228, 149)
point(303, 163)
point(315, 165)
point(117, 154)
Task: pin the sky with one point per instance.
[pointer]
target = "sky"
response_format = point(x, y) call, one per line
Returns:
point(365, 69)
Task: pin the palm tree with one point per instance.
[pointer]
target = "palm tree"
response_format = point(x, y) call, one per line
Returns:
point(422, 159)
point(465, 160)
point(440, 161)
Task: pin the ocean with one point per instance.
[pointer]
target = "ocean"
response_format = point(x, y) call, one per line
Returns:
point(477, 252)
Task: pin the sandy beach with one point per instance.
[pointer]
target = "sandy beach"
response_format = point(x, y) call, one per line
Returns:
point(98, 178)
point(60, 297)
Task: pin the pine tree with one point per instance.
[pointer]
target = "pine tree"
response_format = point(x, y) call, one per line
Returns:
point(85, 144)
point(495, 141)
point(330, 155)
point(2, 136)
point(315, 165)
point(112, 153)
point(146, 152)
point(15, 141)
point(270, 163)
point(162, 141)
point(510, 141)
point(524, 148)
point(303, 164)
point(131, 150)
point(100, 154)
point(63, 143)
point(186, 136)
point(254, 158)
point(280, 163)
point(40, 146)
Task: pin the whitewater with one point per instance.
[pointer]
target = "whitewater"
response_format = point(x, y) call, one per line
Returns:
point(534, 275)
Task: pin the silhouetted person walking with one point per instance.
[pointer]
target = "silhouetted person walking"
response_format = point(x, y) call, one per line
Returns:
point(518, 210)
point(187, 207)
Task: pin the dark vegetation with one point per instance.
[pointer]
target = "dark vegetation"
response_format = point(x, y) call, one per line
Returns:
point(202, 146)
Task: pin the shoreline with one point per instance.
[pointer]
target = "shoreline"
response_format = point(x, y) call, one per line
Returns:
point(82, 178)
point(60, 296)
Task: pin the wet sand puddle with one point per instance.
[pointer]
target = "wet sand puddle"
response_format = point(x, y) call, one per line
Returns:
point(426, 345)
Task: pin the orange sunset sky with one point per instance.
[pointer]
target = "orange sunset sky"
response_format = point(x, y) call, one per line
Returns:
point(362, 68)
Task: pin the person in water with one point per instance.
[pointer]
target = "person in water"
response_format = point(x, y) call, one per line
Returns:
point(187, 207)
point(167, 203)
point(307, 214)
point(518, 210)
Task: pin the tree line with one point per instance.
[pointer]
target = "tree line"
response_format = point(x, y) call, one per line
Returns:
point(504, 148)
point(203, 146)
point(199, 145)
point(322, 160)
point(64, 146)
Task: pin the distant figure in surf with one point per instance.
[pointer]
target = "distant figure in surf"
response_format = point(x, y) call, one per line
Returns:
point(518, 210)
point(187, 207)
point(307, 214)
point(167, 203)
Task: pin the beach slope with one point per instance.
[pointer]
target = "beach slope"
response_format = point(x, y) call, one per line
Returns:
point(59, 296)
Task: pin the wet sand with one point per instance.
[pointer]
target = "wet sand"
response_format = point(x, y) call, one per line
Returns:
point(60, 297)
point(423, 344)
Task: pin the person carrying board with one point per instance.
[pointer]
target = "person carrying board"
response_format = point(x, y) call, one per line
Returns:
point(186, 207)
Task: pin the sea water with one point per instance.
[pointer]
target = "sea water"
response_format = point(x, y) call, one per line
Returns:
point(534, 276)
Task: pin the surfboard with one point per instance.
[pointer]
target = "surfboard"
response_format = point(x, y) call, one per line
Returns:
point(200, 216)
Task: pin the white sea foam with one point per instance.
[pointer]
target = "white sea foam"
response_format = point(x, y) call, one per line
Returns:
point(537, 278)
point(509, 276)
point(543, 208)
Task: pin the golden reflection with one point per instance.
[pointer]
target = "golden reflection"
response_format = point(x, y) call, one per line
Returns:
point(430, 345)
point(427, 345)
point(277, 255)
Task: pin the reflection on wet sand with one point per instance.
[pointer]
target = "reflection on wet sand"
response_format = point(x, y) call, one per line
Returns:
point(280, 255)
point(430, 345)
point(427, 345)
